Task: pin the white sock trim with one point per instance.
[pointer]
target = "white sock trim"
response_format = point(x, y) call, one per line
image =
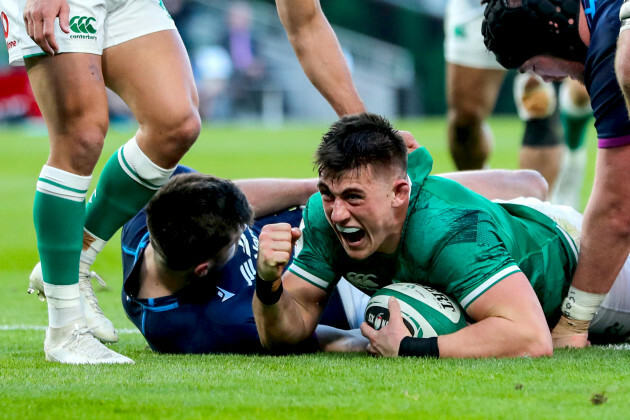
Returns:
point(140, 168)
point(63, 184)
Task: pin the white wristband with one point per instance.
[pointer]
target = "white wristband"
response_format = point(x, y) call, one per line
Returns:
point(581, 305)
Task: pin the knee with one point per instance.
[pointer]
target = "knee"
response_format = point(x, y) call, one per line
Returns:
point(532, 183)
point(466, 115)
point(174, 136)
point(80, 150)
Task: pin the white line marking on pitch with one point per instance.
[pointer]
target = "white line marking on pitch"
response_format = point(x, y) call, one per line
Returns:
point(43, 328)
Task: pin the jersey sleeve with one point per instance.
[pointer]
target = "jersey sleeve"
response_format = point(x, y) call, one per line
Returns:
point(471, 261)
point(609, 108)
point(313, 262)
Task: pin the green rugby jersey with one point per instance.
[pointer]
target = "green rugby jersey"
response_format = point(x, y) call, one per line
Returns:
point(453, 240)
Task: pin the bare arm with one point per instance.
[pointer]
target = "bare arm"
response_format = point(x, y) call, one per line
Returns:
point(506, 326)
point(340, 341)
point(318, 50)
point(268, 196)
point(293, 318)
point(501, 183)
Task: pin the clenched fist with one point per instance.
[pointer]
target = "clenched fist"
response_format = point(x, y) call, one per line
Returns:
point(275, 246)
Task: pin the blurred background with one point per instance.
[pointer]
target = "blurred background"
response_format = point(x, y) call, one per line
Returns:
point(246, 70)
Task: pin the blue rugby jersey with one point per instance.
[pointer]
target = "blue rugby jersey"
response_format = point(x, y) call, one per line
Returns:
point(213, 314)
point(611, 116)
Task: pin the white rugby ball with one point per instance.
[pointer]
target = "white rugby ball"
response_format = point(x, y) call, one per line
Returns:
point(426, 312)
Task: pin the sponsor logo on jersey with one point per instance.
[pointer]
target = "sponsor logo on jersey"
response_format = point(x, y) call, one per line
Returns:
point(460, 31)
point(5, 25)
point(362, 280)
point(82, 25)
point(224, 294)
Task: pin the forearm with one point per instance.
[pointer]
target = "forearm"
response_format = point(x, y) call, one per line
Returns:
point(282, 324)
point(318, 50)
point(268, 196)
point(502, 184)
point(496, 337)
point(332, 339)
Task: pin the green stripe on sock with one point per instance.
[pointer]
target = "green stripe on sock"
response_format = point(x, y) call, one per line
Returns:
point(130, 169)
point(59, 227)
point(574, 129)
point(117, 199)
point(48, 181)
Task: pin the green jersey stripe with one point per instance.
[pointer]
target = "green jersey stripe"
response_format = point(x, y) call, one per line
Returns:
point(479, 290)
point(63, 187)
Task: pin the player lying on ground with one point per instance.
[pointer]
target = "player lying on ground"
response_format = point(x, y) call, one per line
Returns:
point(189, 260)
point(379, 219)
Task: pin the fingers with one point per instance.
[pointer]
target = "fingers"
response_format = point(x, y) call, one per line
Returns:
point(39, 20)
point(64, 17)
point(394, 309)
point(275, 245)
point(295, 235)
point(410, 141)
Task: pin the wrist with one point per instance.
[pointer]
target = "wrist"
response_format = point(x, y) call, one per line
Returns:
point(419, 347)
point(580, 305)
point(268, 292)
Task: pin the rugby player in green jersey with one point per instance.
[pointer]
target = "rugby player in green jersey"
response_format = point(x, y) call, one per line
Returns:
point(380, 218)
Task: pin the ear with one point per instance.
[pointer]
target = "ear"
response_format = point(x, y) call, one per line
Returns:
point(202, 269)
point(401, 192)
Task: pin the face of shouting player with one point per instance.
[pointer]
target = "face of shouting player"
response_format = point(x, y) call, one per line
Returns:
point(366, 208)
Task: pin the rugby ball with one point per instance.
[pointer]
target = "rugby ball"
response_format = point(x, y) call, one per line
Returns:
point(425, 311)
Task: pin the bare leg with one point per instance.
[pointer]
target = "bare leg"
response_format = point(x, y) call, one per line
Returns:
point(471, 96)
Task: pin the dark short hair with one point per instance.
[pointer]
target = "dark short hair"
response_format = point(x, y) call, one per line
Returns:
point(356, 141)
point(517, 30)
point(193, 216)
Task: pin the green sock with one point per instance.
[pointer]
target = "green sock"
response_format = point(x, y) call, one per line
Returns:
point(59, 214)
point(574, 129)
point(127, 183)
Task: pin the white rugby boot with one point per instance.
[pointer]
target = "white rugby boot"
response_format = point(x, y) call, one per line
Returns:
point(101, 327)
point(74, 344)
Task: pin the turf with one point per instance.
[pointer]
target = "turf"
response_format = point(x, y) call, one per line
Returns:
point(574, 384)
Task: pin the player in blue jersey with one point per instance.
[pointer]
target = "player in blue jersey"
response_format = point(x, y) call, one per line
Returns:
point(188, 286)
point(558, 38)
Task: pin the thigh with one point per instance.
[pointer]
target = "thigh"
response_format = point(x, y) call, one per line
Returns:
point(70, 92)
point(153, 75)
point(471, 88)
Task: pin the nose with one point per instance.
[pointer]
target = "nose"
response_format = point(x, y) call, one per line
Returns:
point(340, 212)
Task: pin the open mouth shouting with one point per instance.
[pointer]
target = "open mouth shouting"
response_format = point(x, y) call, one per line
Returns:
point(351, 235)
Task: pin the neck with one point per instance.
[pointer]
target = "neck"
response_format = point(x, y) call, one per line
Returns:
point(156, 280)
point(390, 245)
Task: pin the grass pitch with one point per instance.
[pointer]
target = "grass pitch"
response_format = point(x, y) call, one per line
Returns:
point(574, 384)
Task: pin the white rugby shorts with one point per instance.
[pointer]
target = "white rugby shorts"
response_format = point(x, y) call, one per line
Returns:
point(613, 316)
point(463, 43)
point(95, 25)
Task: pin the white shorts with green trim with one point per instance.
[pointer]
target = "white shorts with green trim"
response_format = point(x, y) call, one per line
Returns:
point(613, 316)
point(463, 42)
point(95, 25)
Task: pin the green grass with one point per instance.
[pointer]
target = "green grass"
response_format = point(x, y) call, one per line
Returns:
point(313, 386)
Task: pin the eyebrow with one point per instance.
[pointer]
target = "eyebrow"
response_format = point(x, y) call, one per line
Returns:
point(349, 190)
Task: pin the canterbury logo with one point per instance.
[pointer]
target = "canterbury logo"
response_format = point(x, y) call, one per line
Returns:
point(82, 25)
point(362, 280)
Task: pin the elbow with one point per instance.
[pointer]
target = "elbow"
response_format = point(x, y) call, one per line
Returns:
point(537, 344)
point(534, 184)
